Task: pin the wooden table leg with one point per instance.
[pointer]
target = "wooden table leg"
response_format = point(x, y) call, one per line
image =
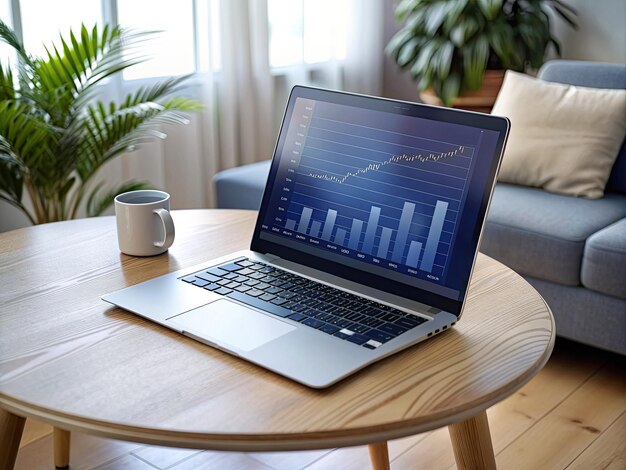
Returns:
point(379, 456)
point(11, 427)
point(61, 448)
point(471, 442)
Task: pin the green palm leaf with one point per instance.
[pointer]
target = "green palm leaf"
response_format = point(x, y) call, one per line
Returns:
point(54, 137)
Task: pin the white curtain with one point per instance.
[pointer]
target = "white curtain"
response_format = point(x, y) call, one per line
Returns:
point(363, 66)
point(244, 102)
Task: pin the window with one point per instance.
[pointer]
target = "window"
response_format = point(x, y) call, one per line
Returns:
point(171, 50)
point(187, 37)
point(7, 56)
point(303, 31)
point(42, 22)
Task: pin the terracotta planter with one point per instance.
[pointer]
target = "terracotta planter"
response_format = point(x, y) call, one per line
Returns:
point(479, 100)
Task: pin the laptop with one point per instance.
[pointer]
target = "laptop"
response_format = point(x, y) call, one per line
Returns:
point(364, 243)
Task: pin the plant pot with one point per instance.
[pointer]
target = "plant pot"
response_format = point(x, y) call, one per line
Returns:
point(477, 100)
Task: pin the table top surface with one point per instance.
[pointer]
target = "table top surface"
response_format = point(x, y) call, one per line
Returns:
point(72, 360)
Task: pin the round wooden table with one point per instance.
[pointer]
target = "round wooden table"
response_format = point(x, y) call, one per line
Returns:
point(70, 359)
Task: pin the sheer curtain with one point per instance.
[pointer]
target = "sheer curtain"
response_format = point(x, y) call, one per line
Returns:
point(243, 99)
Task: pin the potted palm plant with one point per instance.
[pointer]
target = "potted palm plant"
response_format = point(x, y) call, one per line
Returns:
point(452, 48)
point(54, 134)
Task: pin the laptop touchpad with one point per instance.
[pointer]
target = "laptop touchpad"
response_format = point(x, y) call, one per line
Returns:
point(231, 325)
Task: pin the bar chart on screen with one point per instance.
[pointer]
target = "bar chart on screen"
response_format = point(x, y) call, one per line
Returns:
point(373, 193)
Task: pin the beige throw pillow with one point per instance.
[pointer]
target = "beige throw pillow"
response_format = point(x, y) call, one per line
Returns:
point(563, 138)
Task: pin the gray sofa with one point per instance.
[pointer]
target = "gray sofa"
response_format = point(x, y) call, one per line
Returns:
point(572, 250)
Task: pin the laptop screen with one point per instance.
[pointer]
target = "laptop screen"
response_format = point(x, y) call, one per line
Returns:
point(385, 193)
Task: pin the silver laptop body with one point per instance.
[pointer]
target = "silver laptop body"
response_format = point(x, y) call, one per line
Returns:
point(367, 198)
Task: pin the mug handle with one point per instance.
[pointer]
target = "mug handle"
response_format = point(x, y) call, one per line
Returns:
point(168, 228)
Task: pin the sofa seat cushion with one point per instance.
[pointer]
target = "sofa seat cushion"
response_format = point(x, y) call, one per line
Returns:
point(242, 187)
point(542, 234)
point(604, 261)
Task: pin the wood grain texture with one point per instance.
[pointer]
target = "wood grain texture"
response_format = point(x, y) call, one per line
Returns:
point(75, 362)
point(87, 452)
point(379, 456)
point(608, 451)
point(11, 428)
point(61, 439)
point(34, 430)
point(471, 442)
point(572, 426)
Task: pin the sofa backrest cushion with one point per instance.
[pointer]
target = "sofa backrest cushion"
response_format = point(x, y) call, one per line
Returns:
point(595, 75)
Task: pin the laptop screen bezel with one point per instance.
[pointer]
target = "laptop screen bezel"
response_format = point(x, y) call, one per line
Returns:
point(482, 121)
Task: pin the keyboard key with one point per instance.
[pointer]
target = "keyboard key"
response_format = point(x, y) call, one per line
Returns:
point(223, 291)
point(262, 286)
point(255, 267)
point(188, 278)
point(267, 279)
point(245, 272)
point(251, 282)
point(230, 276)
point(256, 275)
point(359, 328)
point(207, 277)
point(279, 301)
point(341, 334)
point(391, 328)
point(261, 304)
point(297, 317)
point(230, 267)
point(373, 322)
point(354, 316)
point(233, 285)
point(376, 312)
point(267, 297)
point(410, 321)
point(273, 290)
point(243, 288)
point(216, 272)
point(223, 282)
point(255, 293)
point(357, 338)
point(379, 336)
point(245, 263)
point(330, 329)
point(212, 286)
point(390, 317)
point(313, 323)
point(200, 282)
point(240, 279)
point(372, 344)
point(343, 323)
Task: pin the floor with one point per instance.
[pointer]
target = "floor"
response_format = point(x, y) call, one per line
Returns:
point(572, 415)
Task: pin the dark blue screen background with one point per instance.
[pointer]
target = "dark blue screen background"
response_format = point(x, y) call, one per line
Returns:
point(380, 189)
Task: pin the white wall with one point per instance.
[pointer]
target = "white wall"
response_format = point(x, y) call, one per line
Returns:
point(601, 35)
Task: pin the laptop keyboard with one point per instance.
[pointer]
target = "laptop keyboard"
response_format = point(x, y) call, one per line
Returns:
point(335, 312)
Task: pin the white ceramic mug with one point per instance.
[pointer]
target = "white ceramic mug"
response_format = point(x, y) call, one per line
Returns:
point(144, 224)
